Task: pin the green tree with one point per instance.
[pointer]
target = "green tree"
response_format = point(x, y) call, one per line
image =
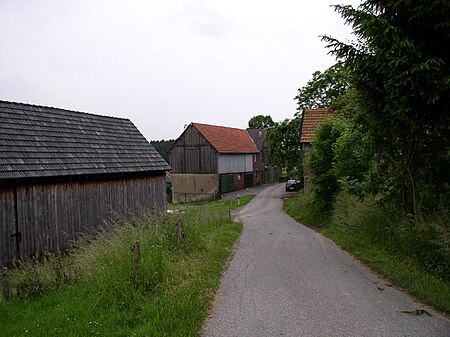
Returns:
point(323, 90)
point(261, 122)
point(321, 161)
point(353, 161)
point(399, 67)
point(284, 147)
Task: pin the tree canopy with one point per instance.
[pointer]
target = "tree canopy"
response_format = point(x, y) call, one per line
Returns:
point(284, 147)
point(388, 143)
point(323, 90)
point(261, 122)
point(399, 67)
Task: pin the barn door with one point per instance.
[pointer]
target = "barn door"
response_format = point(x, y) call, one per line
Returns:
point(248, 179)
point(266, 176)
point(226, 183)
point(276, 175)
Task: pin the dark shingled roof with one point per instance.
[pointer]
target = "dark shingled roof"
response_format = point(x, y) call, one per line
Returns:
point(38, 141)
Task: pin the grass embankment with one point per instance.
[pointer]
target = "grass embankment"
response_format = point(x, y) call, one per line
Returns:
point(410, 254)
point(91, 291)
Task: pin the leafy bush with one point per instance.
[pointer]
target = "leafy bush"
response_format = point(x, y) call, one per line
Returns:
point(321, 159)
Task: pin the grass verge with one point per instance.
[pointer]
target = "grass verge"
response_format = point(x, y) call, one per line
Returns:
point(91, 291)
point(362, 230)
point(302, 209)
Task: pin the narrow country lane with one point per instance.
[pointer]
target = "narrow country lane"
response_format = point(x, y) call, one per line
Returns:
point(287, 280)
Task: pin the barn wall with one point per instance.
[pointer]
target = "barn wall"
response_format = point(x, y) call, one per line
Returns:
point(258, 168)
point(192, 187)
point(239, 181)
point(192, 153)
point(307, 185)
point(51, 215)
point(234, 163)
point(8, 221)
point(235, 181)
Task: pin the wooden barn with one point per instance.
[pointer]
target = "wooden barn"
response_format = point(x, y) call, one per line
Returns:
point(208, 160)
point(262, 172)
point(64, 172)
point(311, 118)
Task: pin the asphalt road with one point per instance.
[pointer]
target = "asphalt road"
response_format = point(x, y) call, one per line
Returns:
point(287, 280)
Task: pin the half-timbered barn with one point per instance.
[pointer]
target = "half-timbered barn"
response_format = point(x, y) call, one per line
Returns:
point(208, 160)
point(64, 172)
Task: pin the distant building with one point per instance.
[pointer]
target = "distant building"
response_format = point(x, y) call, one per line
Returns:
point(208, 160)
point(64, 172)
point(262, 172)
point(310, 120)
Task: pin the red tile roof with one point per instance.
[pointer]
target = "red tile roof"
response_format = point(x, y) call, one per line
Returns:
point(311, 119)
point(227, 140)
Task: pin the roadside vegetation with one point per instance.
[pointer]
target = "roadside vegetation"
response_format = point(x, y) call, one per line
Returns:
point(92, 290)
point(380, 166)
point(382, 238)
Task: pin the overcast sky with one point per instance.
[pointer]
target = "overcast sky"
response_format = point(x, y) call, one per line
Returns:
point(164, 64)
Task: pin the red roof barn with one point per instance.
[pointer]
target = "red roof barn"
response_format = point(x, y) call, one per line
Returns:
point(208, 160)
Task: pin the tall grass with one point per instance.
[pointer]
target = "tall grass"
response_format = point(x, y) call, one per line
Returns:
point(303, 209)
point(425, 240)
point(413, 253)
point(91, 291)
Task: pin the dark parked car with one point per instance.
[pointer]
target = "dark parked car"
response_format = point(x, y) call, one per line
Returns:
point(291, 186)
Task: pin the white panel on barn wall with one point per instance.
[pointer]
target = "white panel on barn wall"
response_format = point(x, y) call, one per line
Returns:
point(234, 163)
point(248, 163)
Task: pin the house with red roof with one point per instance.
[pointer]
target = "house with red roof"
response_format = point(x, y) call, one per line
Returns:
point(208, 160)
point(311, 118)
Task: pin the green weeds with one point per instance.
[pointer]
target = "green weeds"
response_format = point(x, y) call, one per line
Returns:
point(303, 209)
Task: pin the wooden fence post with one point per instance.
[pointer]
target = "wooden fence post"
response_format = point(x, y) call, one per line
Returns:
point(5, 283)
point(180, 228)
point(137, 263)
point(58, 270)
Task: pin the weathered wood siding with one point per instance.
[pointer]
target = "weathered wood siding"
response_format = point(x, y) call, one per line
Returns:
point(192, 153)
point(48, 216)
point(7, 229)
point(235, 163)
